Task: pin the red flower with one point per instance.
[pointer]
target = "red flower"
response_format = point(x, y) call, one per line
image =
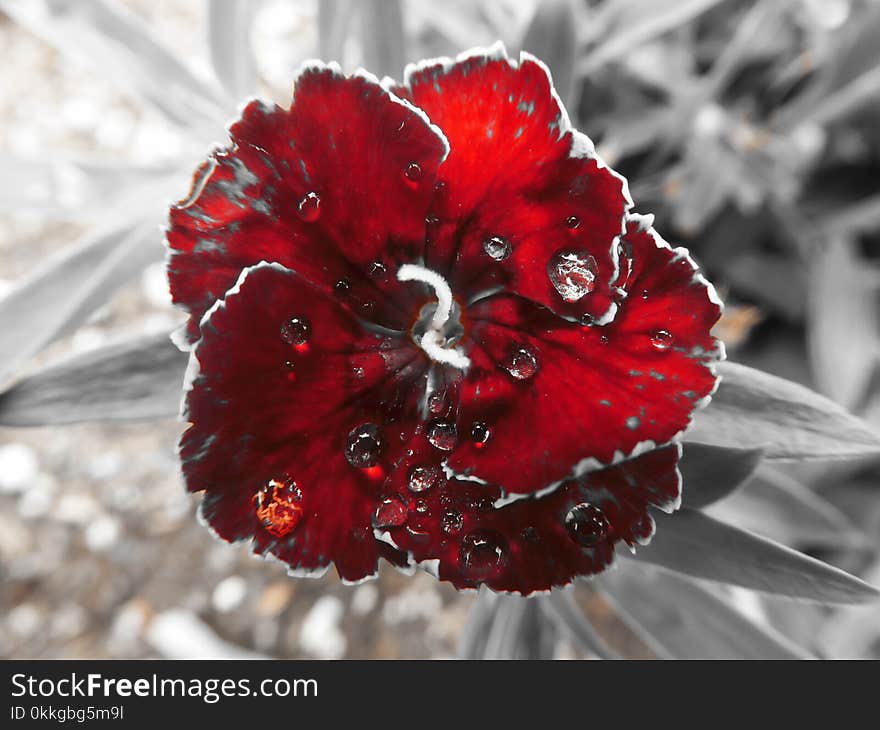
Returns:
point(448, 348)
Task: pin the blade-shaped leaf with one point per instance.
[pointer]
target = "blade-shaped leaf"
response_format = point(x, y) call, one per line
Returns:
point(687, 620)
point(710, 473)
point(695, 544)
point(72, 285)
point(136, 380)
point(561, 608)
point(382, 37)
point(551, 36)
point(107, 36)
point(753, 409)
point(229, 40)
point(777, 506)
point(844, 323)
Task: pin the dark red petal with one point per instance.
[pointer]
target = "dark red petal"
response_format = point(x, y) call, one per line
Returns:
point(336, 188)
point(535, 543)
point(286, 376)
point(568, 397)
point(520, 188)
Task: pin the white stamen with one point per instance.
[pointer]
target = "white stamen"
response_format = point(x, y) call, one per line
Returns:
point(432, 341)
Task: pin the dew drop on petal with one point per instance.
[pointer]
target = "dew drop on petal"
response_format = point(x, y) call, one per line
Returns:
point(482, 554)
point(437, 403)
point(342, 287)
point(392, 512)
point(522, 364)
point(497, 248)
point(480, 434)
point(289, 368)
point(451, 522)
point(309, 207)
point(413, 172)
point(421, 506)
point(422, 478)
point(586, 524)
point(573, 222)
point(378, 270)
point(661, 339)
point(443, 435)
point(296, 331)
point(572, 273)
point(363, 446)
point(278, 506)
point(529, 534)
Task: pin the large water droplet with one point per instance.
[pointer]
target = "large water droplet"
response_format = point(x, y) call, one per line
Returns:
point(451, 522)
point(586, 524)
point(392, 512)
point(296, 331)
point(572, 273)
point(443, 435)
point(363, 446)
point(497, 247)
point(482, 554)
point(278, 506)
point(480, 434)
point(309, 207)
point(522, 364)
point(661, 339)
point(422, 478)
point(413, 172)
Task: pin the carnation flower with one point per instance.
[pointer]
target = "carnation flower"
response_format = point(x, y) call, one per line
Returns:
point(426, 327)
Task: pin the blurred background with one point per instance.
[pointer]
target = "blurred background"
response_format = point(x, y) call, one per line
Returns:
point(751, 130)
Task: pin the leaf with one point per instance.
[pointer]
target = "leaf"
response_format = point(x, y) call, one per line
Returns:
point(753, 409)
point(563, 611)
point(63, 293)
point(551, 36)
point(118, 43)
point(710, 473)
point(229, 41)
point(776, 506)
point(135, 380)
point(651, 18)
point(843, 331)
point(695, 544)
point(382, 37)
point(687, 620)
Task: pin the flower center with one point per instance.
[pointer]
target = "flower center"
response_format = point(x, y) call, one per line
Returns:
point(439, 327)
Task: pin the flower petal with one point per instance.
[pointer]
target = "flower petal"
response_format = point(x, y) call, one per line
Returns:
point(535, 543)
point(291, 389)
point(520, 188)
point(576, 397)
point(336, 187)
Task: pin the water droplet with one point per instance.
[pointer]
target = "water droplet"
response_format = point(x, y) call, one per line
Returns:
point(413, 172)
point(437, 403)
point(358, 372)
point(572, 273)
point(661, 339)
point(529, 534)
point(497, 247)
point(451, 522)
point(483, 554)
point(296, 331)
point(573, 222)
point(392, 512)
point(603, 339)
point(586, 524)
point(289, 370)
point(309, 207)
point(342, 287)
point(422, 478)
point(364, 445)
point(378, 270)
point(278, 506)
point(421, 506)
point(480, 434)
point(443, 435)
point(587, 319)
point(521, 364)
